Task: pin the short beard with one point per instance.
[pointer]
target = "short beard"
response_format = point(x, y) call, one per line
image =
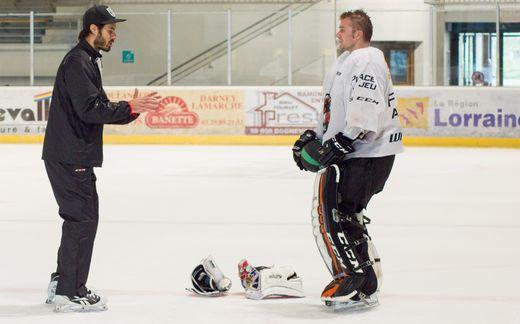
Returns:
point(339, 48)
point(100, 43)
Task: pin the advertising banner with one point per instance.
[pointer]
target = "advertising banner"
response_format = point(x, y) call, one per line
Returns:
point(474, 112)
point(281, 110)
point(24, 111)
point(186, 111)
point(460, 112)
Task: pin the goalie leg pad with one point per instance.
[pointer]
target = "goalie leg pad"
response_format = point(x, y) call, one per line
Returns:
point(342, 239)
point(364, 254)
point(323, 227)
point(332, 242)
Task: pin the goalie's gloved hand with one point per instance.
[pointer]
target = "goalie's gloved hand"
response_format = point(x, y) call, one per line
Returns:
point(305, 138)
point(335, 149)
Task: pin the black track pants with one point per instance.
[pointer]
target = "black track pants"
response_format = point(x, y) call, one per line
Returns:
point(74, 188)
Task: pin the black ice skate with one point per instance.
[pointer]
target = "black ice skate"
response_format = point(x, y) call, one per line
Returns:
point(89, 303)
point(51, 289)
point(343, 288)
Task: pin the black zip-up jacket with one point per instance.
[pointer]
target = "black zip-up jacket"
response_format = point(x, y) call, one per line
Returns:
point(79, 108)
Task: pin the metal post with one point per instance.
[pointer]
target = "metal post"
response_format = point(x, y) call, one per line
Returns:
point(464, 68)
point(31, 48)
point(169, 48)
point(335, 20)
point(79, 27)
point(229, 47)
point(289, 50)
point(323, 67)
point(433, 46)
point(499, 59)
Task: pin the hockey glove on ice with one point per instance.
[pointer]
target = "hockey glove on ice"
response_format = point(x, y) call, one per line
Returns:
point(305, 138)
point(335, 149)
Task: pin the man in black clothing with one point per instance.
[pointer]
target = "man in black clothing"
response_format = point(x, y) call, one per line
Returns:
point(73, 146)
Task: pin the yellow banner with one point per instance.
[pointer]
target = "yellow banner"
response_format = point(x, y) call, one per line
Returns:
point(413, 112)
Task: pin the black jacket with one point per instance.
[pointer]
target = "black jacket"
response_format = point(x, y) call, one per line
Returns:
point(79, 108)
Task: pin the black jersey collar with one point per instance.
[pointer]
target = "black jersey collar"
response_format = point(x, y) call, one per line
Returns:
point(83, 44)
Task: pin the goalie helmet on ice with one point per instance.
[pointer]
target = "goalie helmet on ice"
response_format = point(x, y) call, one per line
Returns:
point(208, 280)
point(261, 282)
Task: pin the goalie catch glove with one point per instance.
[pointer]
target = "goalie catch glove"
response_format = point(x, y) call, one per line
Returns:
point(307, 136)
point(263, 282)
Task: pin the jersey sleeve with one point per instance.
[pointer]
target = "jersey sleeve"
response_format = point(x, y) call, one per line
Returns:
point(89, 102)
point(366, 100)
point(319, 126)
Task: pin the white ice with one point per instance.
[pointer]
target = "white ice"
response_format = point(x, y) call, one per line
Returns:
point(447, 227)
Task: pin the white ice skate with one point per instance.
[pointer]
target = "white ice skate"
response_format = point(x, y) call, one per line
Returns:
point(90, 303)
point(360, 303)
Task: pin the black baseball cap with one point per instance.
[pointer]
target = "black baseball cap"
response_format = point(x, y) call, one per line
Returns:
point(99, 15)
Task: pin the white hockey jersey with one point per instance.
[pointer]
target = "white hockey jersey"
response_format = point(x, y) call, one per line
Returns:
point(359, 97)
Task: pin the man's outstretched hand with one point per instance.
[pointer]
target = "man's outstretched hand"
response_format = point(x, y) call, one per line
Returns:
point(148, 103)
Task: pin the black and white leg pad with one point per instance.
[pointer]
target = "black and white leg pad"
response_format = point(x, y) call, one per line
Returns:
point(342, 239)
point(321, 222)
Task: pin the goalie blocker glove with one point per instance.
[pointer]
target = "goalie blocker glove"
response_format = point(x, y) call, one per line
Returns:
point(307, 137)
point(334, 150)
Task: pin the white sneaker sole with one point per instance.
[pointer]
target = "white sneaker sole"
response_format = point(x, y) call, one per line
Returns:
point(63, 305)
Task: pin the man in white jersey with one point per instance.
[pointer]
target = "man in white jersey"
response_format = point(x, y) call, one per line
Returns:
point(360, 134)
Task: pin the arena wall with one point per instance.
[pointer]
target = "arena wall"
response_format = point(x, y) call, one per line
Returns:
point(443, 116)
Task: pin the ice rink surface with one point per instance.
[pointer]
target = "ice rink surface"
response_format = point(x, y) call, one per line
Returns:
point(447, 227)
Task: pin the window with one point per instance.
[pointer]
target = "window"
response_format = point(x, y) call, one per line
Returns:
point(473, 54)
point(400, 59)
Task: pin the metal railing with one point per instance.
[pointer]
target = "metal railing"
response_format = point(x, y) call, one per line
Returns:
point(41, 39)
point(233, 42)
point(470, 2)
point(322, 59)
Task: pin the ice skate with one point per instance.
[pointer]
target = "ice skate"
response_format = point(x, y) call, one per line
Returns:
point(51, 289)
point(358, 302)
point(89, 303)
point(343, 288)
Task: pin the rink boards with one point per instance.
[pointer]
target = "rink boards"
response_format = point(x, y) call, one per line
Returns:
point(431, 116)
